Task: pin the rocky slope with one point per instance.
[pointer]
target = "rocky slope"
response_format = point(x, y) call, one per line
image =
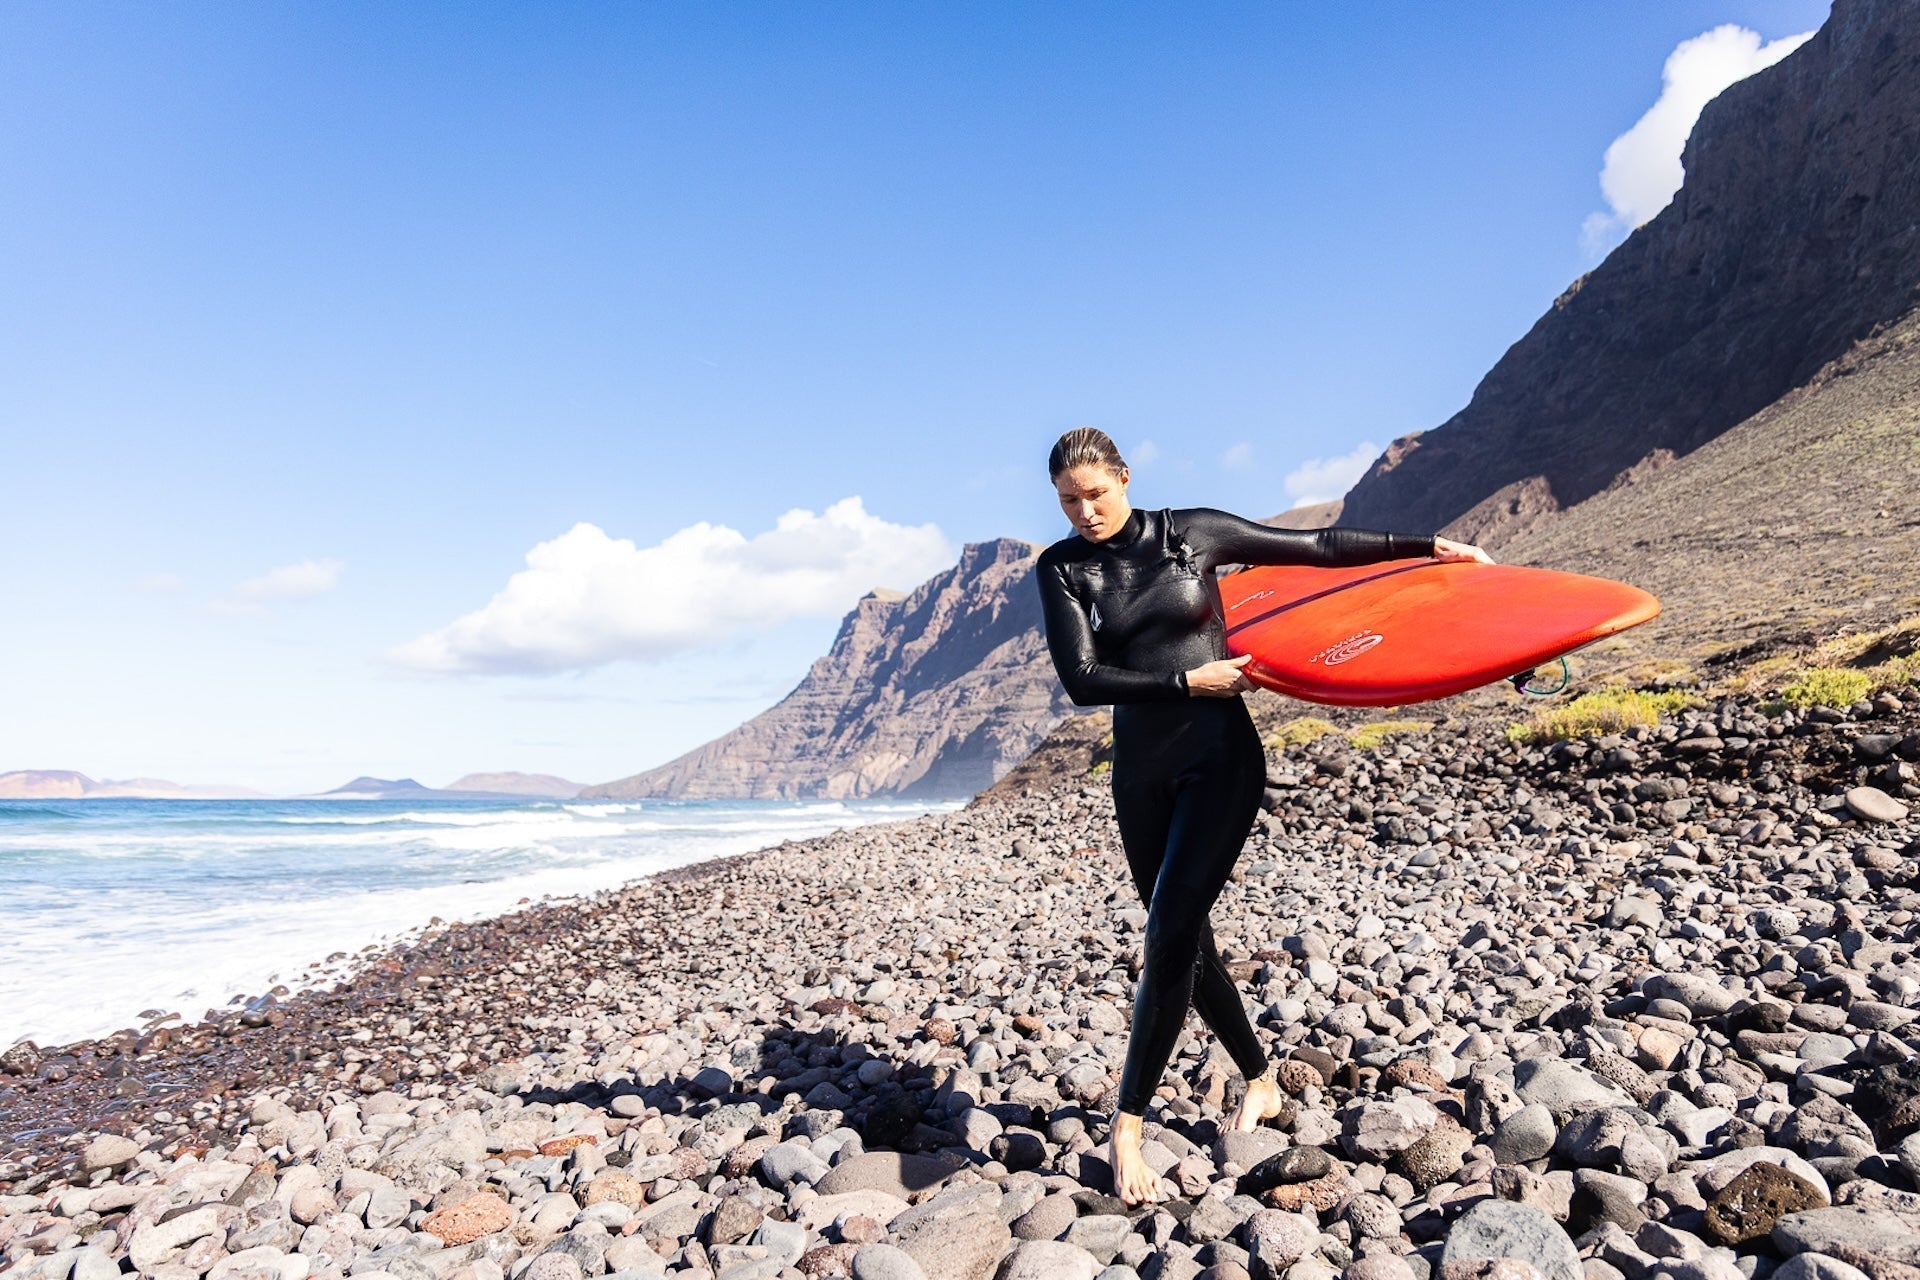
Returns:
point(931, 694)
point(1613, 1010)
point(1800, 523)
point(1793, 236)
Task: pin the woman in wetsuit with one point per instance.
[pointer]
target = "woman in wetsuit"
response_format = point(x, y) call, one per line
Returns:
point(1134, 619)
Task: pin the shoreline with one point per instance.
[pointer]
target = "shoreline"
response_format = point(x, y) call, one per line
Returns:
point(190, 1057)
point(1565, 989)
point(127, 918)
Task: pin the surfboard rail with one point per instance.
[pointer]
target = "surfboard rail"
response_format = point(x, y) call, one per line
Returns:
point(1408, 631)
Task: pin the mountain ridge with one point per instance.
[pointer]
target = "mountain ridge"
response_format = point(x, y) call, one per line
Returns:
point(931, 693)
point(1791, 238)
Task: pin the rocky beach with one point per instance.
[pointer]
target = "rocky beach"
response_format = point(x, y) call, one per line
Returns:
point(1627, 1006)
point(1601, 999)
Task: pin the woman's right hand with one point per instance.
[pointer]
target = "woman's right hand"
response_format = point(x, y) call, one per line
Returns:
point(1446, 550)
point(1220, 679)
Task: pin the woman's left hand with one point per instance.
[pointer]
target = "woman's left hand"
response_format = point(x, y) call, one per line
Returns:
point(1447, 549)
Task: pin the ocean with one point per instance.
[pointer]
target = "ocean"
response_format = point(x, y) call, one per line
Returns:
point(113, 910)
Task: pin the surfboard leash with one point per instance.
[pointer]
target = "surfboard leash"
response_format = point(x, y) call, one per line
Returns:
point(1523, 682)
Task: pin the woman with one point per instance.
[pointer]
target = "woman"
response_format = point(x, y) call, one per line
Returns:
point(1133, 618)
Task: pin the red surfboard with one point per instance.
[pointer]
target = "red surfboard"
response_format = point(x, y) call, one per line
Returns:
point(1384, 635)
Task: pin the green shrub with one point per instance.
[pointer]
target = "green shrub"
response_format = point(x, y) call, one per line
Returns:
point(1826, 687)
point(1602, 711)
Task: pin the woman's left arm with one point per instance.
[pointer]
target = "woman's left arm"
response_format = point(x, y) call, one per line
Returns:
point(1222, 538)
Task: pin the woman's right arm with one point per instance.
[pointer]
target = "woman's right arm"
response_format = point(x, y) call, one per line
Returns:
point(1088, 681)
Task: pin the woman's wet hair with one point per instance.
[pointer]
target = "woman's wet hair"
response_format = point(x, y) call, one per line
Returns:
point(1084, 447)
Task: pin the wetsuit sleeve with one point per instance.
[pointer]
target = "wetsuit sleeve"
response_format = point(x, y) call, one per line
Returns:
point(1088, 681)
point(1221, 538)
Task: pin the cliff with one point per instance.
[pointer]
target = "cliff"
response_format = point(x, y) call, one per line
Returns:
point(1793, 237)
point(932, 694)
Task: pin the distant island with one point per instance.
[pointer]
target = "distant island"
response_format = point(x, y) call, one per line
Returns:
point(69, 784)
point(519, 786)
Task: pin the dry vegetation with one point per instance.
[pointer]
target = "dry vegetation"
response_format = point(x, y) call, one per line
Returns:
point(1602, 711)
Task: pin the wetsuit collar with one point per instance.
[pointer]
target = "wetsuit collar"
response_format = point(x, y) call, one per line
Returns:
point(1129, 532)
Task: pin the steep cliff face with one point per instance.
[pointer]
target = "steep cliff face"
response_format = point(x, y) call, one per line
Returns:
point(932, 694)
point(1793, 236)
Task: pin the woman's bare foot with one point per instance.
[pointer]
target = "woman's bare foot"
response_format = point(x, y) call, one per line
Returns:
point(1134, 1180)
point(1262, 1102)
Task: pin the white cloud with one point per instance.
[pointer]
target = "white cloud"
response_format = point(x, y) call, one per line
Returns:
point(586, 599)
point(299, 581)
point(1642, 167)
point(1238, 457)
point(159, 584)
point(1145, 454)
point(1324, 479)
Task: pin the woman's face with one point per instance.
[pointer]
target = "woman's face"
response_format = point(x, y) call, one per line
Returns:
point(1095, 500)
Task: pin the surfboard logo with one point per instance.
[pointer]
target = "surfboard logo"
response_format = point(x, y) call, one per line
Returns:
point(1347, 650)
point(1093, 615)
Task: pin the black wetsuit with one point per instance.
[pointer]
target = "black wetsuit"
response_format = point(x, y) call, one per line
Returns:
point(1126, 620)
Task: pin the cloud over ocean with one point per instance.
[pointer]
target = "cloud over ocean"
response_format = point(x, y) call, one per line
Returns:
point(587, 598)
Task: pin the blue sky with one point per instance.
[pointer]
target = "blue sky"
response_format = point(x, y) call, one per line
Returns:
point(316, 320)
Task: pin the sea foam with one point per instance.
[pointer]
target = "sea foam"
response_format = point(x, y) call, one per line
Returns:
point(122, 906)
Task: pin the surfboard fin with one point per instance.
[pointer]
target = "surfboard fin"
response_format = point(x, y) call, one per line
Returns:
point(1523, 682)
